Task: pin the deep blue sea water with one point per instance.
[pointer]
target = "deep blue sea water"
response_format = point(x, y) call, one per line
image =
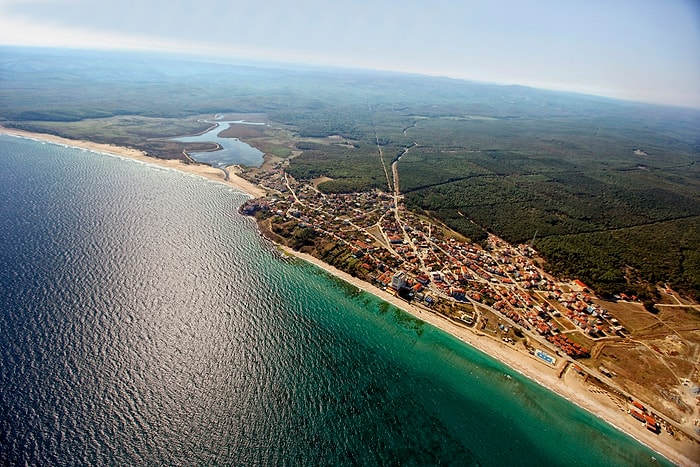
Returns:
point(145, 322)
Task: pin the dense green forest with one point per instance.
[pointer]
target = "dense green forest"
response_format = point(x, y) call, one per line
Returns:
point(608, 190)
point(613, 202)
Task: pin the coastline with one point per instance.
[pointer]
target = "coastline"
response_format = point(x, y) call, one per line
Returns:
point(569, 385)
point(203, 170)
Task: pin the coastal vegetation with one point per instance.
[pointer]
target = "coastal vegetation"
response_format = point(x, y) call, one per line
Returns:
point(606, 191)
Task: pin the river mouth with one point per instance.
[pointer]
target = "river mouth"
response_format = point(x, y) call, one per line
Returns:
point(231, 151)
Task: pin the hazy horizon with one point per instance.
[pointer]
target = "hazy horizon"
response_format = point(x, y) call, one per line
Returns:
point(638, 51)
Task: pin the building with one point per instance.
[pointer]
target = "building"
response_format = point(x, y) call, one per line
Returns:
point(399, 280)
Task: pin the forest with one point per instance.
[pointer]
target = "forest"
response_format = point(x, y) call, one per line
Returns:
point(606, 191)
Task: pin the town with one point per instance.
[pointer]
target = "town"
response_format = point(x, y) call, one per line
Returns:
point(493, 288)
point(424, 262)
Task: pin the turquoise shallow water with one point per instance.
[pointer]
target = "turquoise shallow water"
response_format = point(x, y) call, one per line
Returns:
point(145, 322)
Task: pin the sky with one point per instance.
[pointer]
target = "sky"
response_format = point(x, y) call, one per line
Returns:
point(642, 50)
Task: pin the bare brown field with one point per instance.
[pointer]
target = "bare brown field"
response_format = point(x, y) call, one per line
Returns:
point(680, 318)
point(639, 370)
point(658, 361)
point(631, 315)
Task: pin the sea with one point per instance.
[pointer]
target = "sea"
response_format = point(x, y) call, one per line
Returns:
point(144, 321)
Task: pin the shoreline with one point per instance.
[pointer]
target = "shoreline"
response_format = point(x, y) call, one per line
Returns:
point(203, 170)
point(558, 379)
point(575, 392)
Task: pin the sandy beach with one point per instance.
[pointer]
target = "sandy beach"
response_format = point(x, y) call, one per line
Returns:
point(570, 385)
point(198, 169)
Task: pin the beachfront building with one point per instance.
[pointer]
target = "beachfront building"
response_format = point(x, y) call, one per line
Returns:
point(399, 280)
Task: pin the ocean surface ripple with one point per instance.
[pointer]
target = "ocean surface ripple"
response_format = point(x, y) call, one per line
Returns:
point(145, 322)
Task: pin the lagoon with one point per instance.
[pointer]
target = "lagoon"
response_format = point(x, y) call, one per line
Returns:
point(233, 151)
